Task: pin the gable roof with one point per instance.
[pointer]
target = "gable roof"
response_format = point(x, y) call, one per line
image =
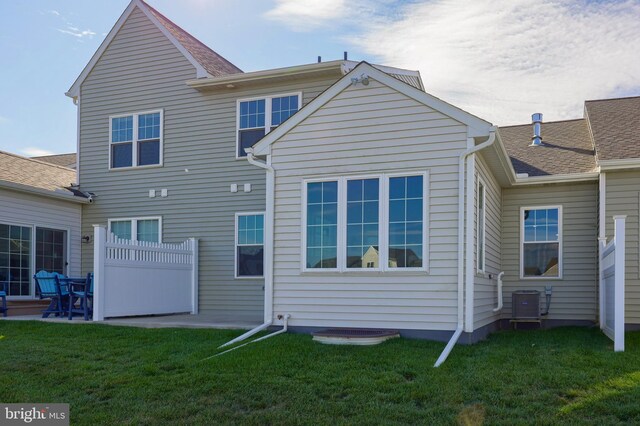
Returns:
point(615, 127)
point(30, 175)
point(213, 63)
point(566, 148)
point(477, 126)
point(64, 160)
point(206, 62)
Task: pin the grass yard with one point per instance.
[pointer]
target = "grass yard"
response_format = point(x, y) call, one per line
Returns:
point(121, 375)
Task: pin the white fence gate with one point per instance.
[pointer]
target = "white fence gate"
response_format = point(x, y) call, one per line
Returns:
point(612, 270)
point(142, 278)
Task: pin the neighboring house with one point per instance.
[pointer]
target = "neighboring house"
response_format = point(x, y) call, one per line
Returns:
point(39, 222)
point(65, 160)
point(343, 194)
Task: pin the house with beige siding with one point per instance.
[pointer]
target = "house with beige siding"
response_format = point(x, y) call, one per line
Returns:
point(343, 194)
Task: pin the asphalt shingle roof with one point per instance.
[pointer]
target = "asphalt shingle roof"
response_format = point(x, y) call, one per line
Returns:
point(35, 173)
point(566, 148)
point(213, 63)
point(615, 126)
point(65, 160)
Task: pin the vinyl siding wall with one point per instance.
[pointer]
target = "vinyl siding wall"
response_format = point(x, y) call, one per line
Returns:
point(141, 70)
point(485, 294)
point(622, 198)
point(17, 208)
point(575, 295)
point(367, 130)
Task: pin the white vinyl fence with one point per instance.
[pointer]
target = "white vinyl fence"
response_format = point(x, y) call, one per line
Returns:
point(612, 270)
point(142, 278)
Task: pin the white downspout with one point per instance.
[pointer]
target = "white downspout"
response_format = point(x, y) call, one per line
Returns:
point(499, 307)
point(268, 247)
point(461, 186)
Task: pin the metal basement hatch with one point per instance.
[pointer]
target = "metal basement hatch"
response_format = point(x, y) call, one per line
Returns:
point(354, 336)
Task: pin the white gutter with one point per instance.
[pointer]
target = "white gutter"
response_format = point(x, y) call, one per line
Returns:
point(268, 247)
point(66, 196)
point(461, 188)
point(572, 177)
point(620, 164)
point(499, 307)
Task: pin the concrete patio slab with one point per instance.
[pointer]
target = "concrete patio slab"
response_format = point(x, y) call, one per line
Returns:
point(155, 321)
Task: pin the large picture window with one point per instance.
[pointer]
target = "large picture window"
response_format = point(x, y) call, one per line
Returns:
point(374, 222)
point(257, 117)
point(541, 242)
point(136, 140)
point(137, 229)
point(249, 245)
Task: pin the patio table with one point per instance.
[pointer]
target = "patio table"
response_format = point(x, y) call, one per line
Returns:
point(77, 287)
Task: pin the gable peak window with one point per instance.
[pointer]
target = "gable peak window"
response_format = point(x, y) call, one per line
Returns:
point(135, 140)
point(259, 116)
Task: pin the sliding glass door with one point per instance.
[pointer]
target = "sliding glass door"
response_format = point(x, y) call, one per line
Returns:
point(22, 251)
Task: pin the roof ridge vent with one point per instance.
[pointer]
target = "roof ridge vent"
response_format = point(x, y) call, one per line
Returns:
point(536, 139)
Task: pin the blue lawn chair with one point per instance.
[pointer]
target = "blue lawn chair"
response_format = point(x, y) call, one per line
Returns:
point(4, 289)
point(81, 291)
point(50, 287)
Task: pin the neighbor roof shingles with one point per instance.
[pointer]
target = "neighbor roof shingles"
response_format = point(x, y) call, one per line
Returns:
point(566, 148)
point(615, 126)
point(213, 63)
point(65, 160)
point(34, 173)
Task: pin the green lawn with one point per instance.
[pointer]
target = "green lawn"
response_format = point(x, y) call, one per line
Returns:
point(120, 375)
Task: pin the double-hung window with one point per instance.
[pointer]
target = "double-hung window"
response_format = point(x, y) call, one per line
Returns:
point(541, 242)
point(481, 227)
point(137, 229)
point(135, 140)
point(258, 116)
point(249, 245)
point(365, 223)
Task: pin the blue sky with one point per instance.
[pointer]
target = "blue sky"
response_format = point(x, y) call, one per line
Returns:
point(501, 60)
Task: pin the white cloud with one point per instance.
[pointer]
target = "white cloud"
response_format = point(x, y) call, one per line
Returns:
point(505, 60)
point(3, 120)
point(76, 32)
point(54, 12)
point(35, 152)
point(305, 15)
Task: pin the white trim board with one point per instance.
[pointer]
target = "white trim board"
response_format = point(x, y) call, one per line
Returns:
point(477, 126)
point(74, 90)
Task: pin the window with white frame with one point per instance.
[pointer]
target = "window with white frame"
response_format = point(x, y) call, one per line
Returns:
point(373, 222)
point(257, 117)
point(249, 245)
point(480, 224)
point(135, 140)
point(541, 242)
point(137, 229)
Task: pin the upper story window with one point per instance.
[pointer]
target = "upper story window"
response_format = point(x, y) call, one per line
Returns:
point(137, 229)
point(375, 222)
point(258, 116)
point(135, 140)
point(541, 242)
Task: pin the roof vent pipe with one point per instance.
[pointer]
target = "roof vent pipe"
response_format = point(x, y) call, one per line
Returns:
point(319, 59)
point(345, 56)
point(536, 139)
